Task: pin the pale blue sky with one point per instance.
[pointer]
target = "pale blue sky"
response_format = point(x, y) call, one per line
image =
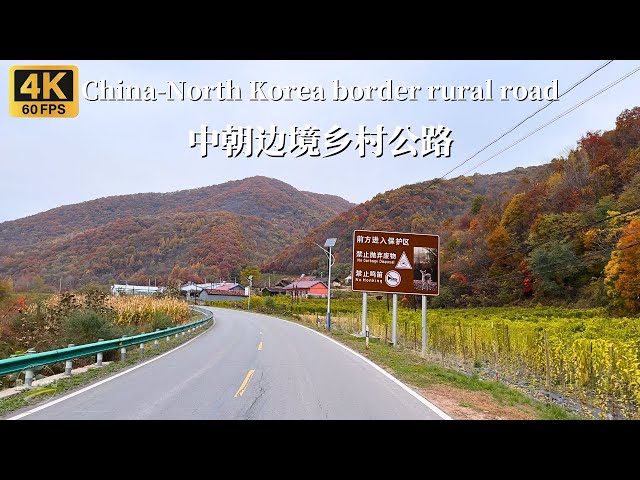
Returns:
point(116, 148)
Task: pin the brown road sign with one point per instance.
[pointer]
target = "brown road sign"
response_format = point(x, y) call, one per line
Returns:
point(395, 262)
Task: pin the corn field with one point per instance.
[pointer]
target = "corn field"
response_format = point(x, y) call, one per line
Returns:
point(139, 310)
point(127, 310)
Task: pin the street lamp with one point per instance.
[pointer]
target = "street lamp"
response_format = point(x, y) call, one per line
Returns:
point(330, 242)
point(250, 277)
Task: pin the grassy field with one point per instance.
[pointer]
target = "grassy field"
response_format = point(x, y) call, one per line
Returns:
point(578, 358)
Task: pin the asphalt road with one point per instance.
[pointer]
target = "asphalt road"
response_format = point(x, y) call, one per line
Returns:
point(248, 366)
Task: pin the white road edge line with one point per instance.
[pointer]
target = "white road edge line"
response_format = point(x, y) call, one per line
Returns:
point(108, 379)
point(408, 389)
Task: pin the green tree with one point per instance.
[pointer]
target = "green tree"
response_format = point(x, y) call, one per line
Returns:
point(603, 207)
point(554, 227)
point(476, 204)
point(630, 196)
point(246, 271)
point(39, 286)
point(556, 267)
point(172, 290)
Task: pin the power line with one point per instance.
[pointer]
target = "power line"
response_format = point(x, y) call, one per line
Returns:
point(517, 275)
point(439, 179)
point(566, 112)
point(595, 252)
point(530, 116)
point(572, 231)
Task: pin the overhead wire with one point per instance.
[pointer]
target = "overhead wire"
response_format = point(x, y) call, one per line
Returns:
point(574, 230)
point(518, 275)
point(555, 119)
point(441, 178)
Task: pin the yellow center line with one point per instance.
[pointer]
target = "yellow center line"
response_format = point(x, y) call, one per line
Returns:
point(260, 346)
point(245, 382)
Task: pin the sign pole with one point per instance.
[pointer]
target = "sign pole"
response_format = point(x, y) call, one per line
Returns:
point(329, 294)
point(394, 320)
point(364, 313)
point(424, 325)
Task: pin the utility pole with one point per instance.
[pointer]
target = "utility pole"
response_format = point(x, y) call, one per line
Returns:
point(330, 242)
point(329, 291)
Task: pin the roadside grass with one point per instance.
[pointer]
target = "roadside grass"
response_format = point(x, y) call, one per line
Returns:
point(37, 395)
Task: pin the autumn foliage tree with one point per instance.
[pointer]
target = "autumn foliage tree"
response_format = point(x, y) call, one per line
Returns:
point(623, 270)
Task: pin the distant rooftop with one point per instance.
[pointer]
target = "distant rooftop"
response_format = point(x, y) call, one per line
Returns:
point(215, 291)
point(303, 284)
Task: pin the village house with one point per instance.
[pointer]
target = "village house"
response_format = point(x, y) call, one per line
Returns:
point(224, 291)
point(307, 289)
point(127, 289)
point(273, 291)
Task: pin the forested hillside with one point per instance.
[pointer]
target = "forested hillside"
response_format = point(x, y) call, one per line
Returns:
point(191, 234)
point(567, 231)
point(263, 197)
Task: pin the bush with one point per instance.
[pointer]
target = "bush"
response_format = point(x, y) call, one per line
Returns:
point(6, 288)
point(161, 320)
point(35, 328)
point(270, 304)
point(87, 326)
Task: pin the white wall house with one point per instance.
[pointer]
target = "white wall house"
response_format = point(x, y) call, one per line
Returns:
point(118, 289)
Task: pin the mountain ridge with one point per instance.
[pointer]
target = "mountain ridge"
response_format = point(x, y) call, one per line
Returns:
point(219, 197)
point(72, 241)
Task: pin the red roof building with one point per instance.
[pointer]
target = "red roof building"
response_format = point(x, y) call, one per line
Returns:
point(307, 288)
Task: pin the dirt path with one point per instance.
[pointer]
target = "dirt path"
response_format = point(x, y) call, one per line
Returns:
point(469, 405)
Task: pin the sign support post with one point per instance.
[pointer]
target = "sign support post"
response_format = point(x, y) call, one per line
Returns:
point(394, 320)
point(364, 313)
point(424, 325)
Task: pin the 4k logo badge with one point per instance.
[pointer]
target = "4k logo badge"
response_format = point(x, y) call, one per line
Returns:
point(43, 91)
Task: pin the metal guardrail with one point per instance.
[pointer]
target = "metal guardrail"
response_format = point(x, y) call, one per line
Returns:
point(33, 360)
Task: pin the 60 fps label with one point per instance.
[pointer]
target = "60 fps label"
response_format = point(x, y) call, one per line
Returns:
point(43, 91)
